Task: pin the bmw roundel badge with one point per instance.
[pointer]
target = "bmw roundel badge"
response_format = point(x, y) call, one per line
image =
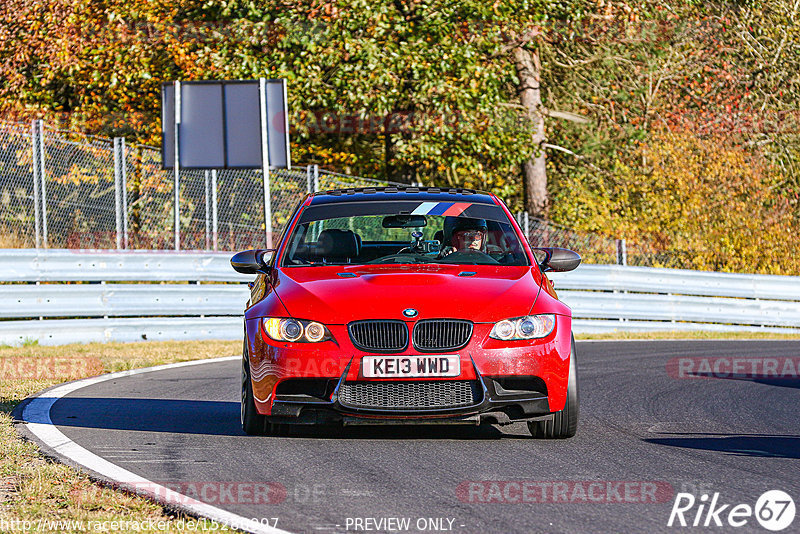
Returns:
point(410, 312)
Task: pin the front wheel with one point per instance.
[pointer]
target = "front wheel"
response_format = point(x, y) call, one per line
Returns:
point(253, 423)
point(564, 422)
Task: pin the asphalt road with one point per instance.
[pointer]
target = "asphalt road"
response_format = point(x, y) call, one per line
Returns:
point(640, 425)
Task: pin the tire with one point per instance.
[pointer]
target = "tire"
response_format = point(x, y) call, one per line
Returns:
point(253, 423)
point(564, 422)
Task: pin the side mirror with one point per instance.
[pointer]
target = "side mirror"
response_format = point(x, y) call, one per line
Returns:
point(559, 259)
point(251, 261)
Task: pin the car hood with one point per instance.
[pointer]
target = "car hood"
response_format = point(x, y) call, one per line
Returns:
point(340, 294)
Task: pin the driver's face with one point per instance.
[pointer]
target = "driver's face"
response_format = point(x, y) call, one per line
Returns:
point(469, 239)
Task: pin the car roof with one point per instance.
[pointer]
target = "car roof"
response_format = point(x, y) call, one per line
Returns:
point(401, 193)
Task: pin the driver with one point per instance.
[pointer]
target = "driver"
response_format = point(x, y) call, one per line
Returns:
point(464, 234)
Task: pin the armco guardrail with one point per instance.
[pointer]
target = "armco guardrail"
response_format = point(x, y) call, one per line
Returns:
point(123, 300)
point(608, 298)
point(679, 282)
point(32, 265)
point(103, 304)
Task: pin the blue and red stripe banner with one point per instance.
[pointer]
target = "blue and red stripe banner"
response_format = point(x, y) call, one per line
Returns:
point(451, 209)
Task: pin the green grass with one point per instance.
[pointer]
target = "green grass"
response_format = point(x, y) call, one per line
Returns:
point(33, 488)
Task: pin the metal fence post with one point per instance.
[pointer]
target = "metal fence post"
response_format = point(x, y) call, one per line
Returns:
point(526, 220)
point(622, 252)
point(35, 168)
point(124, 174)
point(43, 177)
point(176, 167)
point(214, 217)
point(118, 192)
point(309, 182)
point(316, 178)
point(207, 214)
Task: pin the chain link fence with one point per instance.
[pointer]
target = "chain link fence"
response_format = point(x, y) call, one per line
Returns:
point(78, 193)
point(596, 248)
point(61, 189)
point(17, 204)
point(593, 248)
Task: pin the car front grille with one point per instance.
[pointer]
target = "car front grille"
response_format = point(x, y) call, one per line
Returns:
point(410, 396)
point(379, 336)
point(433, 335)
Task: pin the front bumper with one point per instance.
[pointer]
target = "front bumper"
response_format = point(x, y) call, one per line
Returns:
point(494, 371)
point(491, 404)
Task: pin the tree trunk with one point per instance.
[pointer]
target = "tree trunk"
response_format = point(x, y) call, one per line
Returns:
point(387, 156)
point(533, 171)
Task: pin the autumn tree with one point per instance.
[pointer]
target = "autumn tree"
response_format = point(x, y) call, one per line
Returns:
point(559, 106)
point(414, 91)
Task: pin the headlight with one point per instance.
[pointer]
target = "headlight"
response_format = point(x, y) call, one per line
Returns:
point(528, 327)
point(290, 330)
point(503, 330)
point(294, 330)
point(315, 332)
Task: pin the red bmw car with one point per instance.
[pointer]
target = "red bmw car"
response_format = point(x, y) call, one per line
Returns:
point(406, 305)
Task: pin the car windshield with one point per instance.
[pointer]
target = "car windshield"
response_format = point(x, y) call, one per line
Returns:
point(385, 233)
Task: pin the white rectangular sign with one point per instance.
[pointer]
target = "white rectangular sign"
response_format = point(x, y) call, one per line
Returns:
point(219, 125)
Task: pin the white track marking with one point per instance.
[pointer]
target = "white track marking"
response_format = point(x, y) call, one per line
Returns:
point(38, 409)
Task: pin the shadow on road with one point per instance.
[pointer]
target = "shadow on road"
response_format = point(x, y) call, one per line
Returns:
point(765, 446)
point(406, 432)
point(148, 415)
point(793, 383)
point(781, 382)
point(217, 418)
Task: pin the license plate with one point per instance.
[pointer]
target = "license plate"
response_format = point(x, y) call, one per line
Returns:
point(410, 366)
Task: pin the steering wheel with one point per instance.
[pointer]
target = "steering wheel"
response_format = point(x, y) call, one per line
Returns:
point(410, 250)
point(401, 257)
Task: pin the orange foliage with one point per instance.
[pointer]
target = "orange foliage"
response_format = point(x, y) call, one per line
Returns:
point(711, 203)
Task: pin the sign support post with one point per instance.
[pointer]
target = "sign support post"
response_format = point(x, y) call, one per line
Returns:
point(206, 213)
point(262, 97)
point(214, 218)
point(177, 166)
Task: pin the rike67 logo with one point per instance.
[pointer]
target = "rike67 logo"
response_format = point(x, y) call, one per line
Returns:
point(774, 511)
